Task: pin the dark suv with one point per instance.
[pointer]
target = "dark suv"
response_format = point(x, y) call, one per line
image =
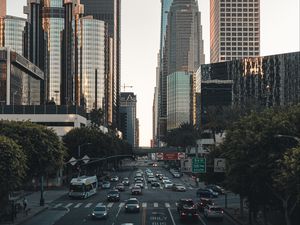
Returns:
point(187, 209)
point(204, 202)
point(113, 196)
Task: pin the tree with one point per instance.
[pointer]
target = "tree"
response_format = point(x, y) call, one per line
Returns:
point(96, 117)
point(12, 168)
point(44, 150)
point(286, 181)
point(184, 136)
point(251, 148)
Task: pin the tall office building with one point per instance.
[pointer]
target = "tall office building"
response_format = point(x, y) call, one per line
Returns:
point(91, 35)
point(234, 29)
point(53, 25)
point(181, 53)
point(2, 8)
point(110, 12)
point(128, 117)
point(12, 33)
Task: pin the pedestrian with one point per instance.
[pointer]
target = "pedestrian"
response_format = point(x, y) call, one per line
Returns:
point(24, 204)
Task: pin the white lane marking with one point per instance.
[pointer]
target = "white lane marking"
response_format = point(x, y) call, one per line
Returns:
point(57, 205)
point(171, 216)
point(109, 205)
point(121, 204)
point(167, 205)
point(191, 188)
point(201, 220)
point(67, 206)
point(161, 187)
point(88, 205)
point(155, 204)
point(144, 204)
point(78, 205)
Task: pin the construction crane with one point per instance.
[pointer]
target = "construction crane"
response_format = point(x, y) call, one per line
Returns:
point(126, 86)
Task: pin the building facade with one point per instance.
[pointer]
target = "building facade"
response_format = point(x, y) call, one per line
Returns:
point(128, 117)
point(91, 62)
point(109, 11)
point(234, 29)
point(179, 99)
point(19, 79)
point(252, 82)
point(2, 8)
point(181, 51)
point(12, 33)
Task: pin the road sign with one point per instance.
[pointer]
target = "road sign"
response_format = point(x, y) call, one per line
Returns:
point(170, 156)
point(159, 156)
point(86, 159)
point(219, 165)
point(199, 165)
point(186, 165)
point(181, 155)
point(72, 161)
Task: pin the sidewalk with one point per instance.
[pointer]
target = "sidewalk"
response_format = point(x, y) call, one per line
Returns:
point(34, 207)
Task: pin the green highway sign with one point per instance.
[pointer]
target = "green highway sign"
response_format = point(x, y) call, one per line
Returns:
point(199, 165)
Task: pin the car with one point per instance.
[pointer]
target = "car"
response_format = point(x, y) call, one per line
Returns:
point(139, 183)
point(127, 224)
point(155, 184)
point(132, 205)
point(213, 212)
point(136, 190)
point(204, 193)
point(154, 164)
point(165, 179)
point(178, 187)
point(216, 188)
point(100, 212)
point(203, 203)
point(105, 185)
point(114, 178)
point(113, 195)
point(120, 187)
point(150, 179)
point(168, 184)
point(176, 174)
point(126, 181)
point(214, 194)
point(187, 209)
point(158, 174)
point(138, 178)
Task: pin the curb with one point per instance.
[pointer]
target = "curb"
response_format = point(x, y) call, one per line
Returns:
point(32, 215)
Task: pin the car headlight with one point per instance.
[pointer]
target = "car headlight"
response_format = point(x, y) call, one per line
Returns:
point(126, 206)
point(138, 206)
point(93, 214)
point(105, 213)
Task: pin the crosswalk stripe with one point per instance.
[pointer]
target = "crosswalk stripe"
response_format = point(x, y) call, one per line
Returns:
point(88, 205)
point(78, 205)
point(109, 205)
point(167, 205)
point(57, 205)
point(155, 204)
point(144, 205)
point(121, 204)
point(67, 206)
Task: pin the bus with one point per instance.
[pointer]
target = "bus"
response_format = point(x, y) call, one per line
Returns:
point(83, 187)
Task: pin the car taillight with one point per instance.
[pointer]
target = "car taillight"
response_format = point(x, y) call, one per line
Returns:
point(183, 214)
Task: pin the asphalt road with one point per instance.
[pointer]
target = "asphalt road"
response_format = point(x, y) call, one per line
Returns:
point(158, 207)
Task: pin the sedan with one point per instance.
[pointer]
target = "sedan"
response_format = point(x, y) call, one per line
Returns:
point(114, 178)
point(120, 187)
point(213, 211)
point(216, 188)
point(136, 191)
point(139, 183)
point(168, 184)
point(126, 181)
point(132, 205)
point(155, 184)
point(100, 212)
point(105, 185)
point(113, 196)
point(178, 187)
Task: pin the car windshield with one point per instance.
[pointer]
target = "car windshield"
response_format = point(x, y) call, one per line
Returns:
point(113, 192)
point(100, 208)
point(77, 188)
point(188, 203)
point(132, 202)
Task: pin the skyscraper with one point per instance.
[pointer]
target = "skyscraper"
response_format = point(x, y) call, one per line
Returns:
point(12, 33)
point(181, 53)
point(110, 12)
point(2, 8)
point(234, 29)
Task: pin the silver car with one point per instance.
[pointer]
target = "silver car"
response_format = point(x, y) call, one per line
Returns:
point(100, 212)
point(132, 205)
point(213, 212)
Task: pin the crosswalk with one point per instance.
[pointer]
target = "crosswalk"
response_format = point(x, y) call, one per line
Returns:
point(77, 205)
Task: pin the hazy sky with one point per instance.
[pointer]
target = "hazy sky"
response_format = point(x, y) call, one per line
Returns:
point(140, 35)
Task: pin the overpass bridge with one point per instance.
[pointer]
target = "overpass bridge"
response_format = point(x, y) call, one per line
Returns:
point(140, 151)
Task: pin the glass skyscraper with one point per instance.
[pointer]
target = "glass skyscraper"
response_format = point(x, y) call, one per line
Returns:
point(12, 33)
point(179, 95)
point(91, 63)
point(53, 25)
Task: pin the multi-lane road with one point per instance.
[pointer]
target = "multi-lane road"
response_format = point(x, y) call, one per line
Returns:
point(158, 207)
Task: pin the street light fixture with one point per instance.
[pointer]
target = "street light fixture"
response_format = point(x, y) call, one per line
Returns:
point(288, 136)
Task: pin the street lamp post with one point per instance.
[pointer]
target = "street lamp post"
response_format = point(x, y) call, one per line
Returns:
point(13, 99)
point(78, 154)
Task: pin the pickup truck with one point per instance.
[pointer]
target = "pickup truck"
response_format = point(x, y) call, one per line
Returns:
point(187, 209)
